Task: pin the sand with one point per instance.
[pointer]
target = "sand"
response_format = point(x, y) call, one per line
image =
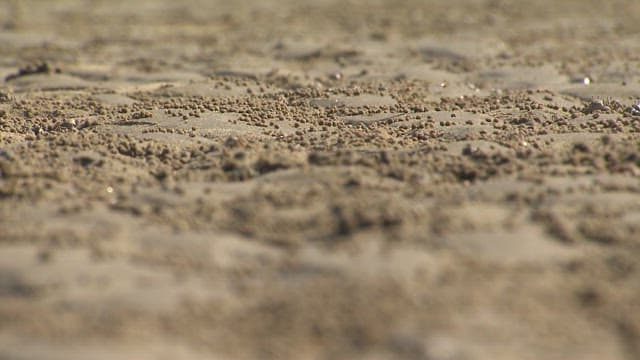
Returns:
point(323, 179)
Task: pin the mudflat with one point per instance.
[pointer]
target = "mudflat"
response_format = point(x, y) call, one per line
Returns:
point(322, 179)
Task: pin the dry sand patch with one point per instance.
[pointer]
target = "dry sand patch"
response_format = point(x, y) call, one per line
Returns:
point(320, 179)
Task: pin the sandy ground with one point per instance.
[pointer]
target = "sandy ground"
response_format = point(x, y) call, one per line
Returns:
point(435, 180)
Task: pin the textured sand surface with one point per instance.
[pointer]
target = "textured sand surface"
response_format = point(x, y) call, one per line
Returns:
point(436, 180)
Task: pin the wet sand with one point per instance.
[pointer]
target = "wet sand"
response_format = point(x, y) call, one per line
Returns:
point(324, 179)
